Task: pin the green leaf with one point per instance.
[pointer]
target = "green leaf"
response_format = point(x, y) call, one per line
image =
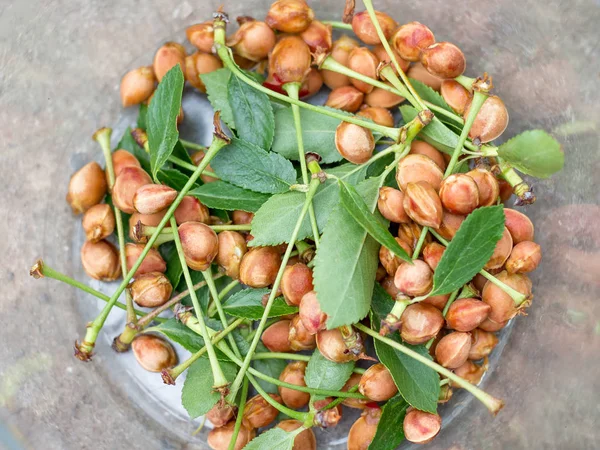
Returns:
point(275, 220)
point(318, 132)
point(533, 152)
point(469, 250)
point(142, 120)
point(429, 95)
point(324, 374)
point(179, 333)
point(418, 384)
point(245, 165)
point(247, 303)
point(274, 439)
point(222, 195)
point(180, 151)
point(436, 133)
point(216, 89)
point(128, 143)
point(355, 205)
point(173, 178)
point(271, 367)
point(346, 263)
point(390, 433)
point(162, 118)
point(252, 113)
point(171, 257)
point(198, 395)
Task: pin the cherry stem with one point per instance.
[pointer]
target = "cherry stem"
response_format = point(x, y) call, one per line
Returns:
point(450, 301)
point(219, 378)
point(240, 416)
point(369, 6)
point(293, 357)
point(179, 369)
point(313, 391)
point(521, 189)
point(226, 56)
point(189, 166)
point(84, 350)
point(517, 297)
point(212, 308)
point(314, 185)
point(146, 230)
point(293, 90)
point(192, 145)
point(302, 417)
point(212, 288)
point(41, 270)
point(337, 24)
point(420, 242)
point(102, 136)
point(479, 97)
point(339, 400)
point(491, 403)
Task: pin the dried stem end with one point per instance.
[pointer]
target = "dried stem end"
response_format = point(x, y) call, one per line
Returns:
point(37, 270)
point(83, 352)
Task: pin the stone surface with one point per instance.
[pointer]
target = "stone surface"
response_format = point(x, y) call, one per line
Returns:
point(60, 65)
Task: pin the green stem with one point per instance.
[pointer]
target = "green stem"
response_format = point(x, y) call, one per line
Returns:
point(102, 136)
point(192, 145)
point(313, 391)
point(420, 242)
point(465, 81)
point(314, 185)
point(517, 297)
point(147, 230)
point(84, 350)
point(212, 308)
point(292, 90)
point(42, 270)
point(339, 400)
point(293, 357)
point(450, 301)
point(178, 370)
point(492, 404)
point(220, 382)
point(275, 404)
point(240, 416)
point(369, 6)
point(337, 24)
point(217, 302)
point(226, 57)
point(520, 187)
point(478, 98)
point(189, 166)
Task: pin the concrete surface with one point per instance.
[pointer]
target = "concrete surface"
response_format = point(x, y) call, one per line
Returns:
point(60, 64)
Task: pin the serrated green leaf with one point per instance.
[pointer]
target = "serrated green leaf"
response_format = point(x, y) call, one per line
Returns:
point(390, 432)
point(179, 333)
point(318, 133)
point(429, 95)
point(171, 257)
point(346, 263)
point(173, 178)
point(271, 367)
point(418, 384)
point(216, 89)
point(162, 118)
point(469, 250)
point(198, 395)
point(324, 374)
point(534, 153)
point(252, 113)
point(274, 439)
point(142, 120)
point(247, 303)
point(245, 165)
point(222, 195)
point(128, 143)
point(203, 292)
point(436, 133)
point(275, 220)
point(356, 206)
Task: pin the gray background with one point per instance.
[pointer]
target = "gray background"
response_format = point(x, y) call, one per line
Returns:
point(60, 65)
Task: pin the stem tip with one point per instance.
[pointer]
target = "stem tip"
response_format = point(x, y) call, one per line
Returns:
point(37, 270)
point(83, 352)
